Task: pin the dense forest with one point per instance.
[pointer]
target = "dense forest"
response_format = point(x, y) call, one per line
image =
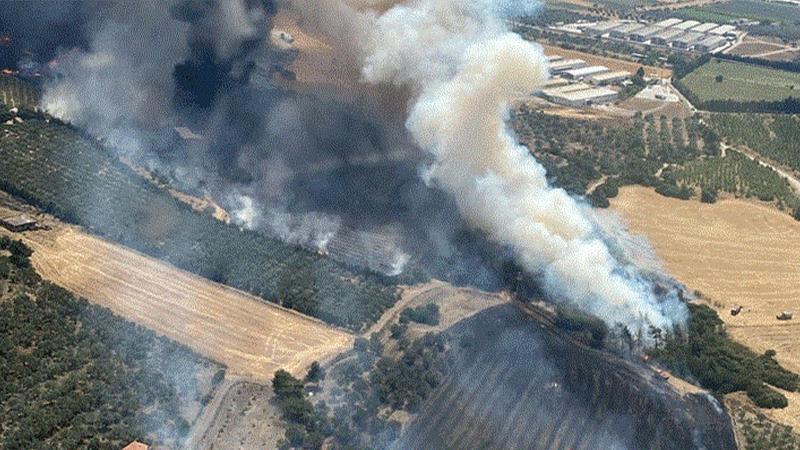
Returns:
point(54, 167)
point(77, 377)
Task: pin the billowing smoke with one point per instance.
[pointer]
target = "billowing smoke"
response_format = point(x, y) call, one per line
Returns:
point(465, 68)
point(306, 164)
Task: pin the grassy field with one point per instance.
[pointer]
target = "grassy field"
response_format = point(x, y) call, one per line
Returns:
point(742, 82)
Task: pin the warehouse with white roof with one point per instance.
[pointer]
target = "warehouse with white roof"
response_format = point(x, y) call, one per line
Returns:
point(687, 40)
point(624, 31)
point(585, 97)
point(665, 36)
point(643, 35)
point(704, 28)
point(566, 64)
point(578, 74)
point(606, 78)
point(666, 23)
point(689, 24)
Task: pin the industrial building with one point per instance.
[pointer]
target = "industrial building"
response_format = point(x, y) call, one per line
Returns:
point(585, 97)
point(710, 43)
point(606, 78)
point(579, 74)
point(554, 58)
point(625, 30)
point(602, 28)
point(667, 23)
point(566, 64)
point(723, 30)
point(552, 92)
point(705, 27)
point(686, 26)
point(687, 40)
point(18, 223)
point(643, 35)
point(665, 36)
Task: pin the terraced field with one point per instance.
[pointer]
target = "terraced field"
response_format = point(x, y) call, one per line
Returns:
point(513, 385)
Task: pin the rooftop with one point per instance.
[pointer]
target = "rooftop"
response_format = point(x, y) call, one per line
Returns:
point(668, 33)
point(669, 22)
point(647, 31)
point(18, 221)
point(588, 94)
point(610, 75)
point(686, 25)
point(629, 28)
point(575, 73)
point(690, 37)
point(705, 28)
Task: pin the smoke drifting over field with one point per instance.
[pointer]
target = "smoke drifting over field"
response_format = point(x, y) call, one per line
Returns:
point(303, 164)
point(465, 68)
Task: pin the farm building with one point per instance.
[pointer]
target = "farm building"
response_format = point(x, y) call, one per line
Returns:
point(624, 31)
point(643, 35)
point(665, 36)
point(18, 223)
point(579, 74)
point(723, 30)
point(686, 26)
point(602, 28)
point(567, 64)
point(666, 23)
point(554, 58)
point(585, 97)
point(602, 79)
point(554, 82)
point(705, 27)
point(687, 40)
point(551, 92)
point(710, 43)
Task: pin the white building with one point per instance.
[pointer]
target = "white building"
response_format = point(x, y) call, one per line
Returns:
point(665, 36)
point(687, 40)
point(579, 74)
point(710, 43)
point(685, 26)
point(586, 97)
point(723, 30)
point(644, 34)
point(625, 30)
point(602, 79)
point(705, 27)
point(602, 28)
point(566, 64)
point(668, 23)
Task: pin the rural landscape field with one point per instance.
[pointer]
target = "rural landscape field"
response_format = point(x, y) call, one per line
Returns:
point(400, 224)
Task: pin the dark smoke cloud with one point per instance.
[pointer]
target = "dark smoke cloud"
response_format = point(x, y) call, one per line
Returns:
point(300, 164)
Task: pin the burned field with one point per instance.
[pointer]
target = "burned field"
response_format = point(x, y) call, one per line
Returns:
point(512, 383)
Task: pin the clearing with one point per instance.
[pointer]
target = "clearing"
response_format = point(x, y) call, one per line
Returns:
point(736, 253)
point(253, 338)
point(741, 82)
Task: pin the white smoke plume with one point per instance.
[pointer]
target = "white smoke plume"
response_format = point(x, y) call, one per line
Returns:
point(465, 68)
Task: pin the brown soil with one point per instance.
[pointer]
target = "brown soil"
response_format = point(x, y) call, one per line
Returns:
point(736, 253)
point(250, 336)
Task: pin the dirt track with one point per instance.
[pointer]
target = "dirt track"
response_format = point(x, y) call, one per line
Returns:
point(736, 253)
point(250, 336)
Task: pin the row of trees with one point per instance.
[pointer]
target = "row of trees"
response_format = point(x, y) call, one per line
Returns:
point(57, 169)
point(76, 376)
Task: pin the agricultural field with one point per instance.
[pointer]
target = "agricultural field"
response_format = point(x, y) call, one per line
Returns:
point(516, 386)
point(77, 376)
point(738, 175)
point(710, 248)
point(251, 337)
point(54, 167)
point(774, 137)
point(741, 82)
point(724, 12)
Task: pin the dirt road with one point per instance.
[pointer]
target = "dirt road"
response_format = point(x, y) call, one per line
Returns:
point(251, 337)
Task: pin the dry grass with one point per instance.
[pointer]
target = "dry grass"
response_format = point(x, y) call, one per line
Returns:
point(736, 253)
point(251, 337)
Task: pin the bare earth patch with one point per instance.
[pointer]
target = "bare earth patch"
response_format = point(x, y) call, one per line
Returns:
point(736, 253)
point(251, 337)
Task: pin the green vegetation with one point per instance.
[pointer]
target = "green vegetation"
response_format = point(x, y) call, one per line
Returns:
point(758, 430)
point(774, 137)
point(584, 327)
point(427, 314)
point(367, 386)
point(741, 82)
point(705, 353)
point(737, 175)
point(52, 166)
point(76, 376)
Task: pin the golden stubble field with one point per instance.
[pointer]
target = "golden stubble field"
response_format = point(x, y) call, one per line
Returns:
point(736, 253)
point(253, 338)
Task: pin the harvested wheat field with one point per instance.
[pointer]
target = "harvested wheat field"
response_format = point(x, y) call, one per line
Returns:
point(251, 337)
point(736, 253)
